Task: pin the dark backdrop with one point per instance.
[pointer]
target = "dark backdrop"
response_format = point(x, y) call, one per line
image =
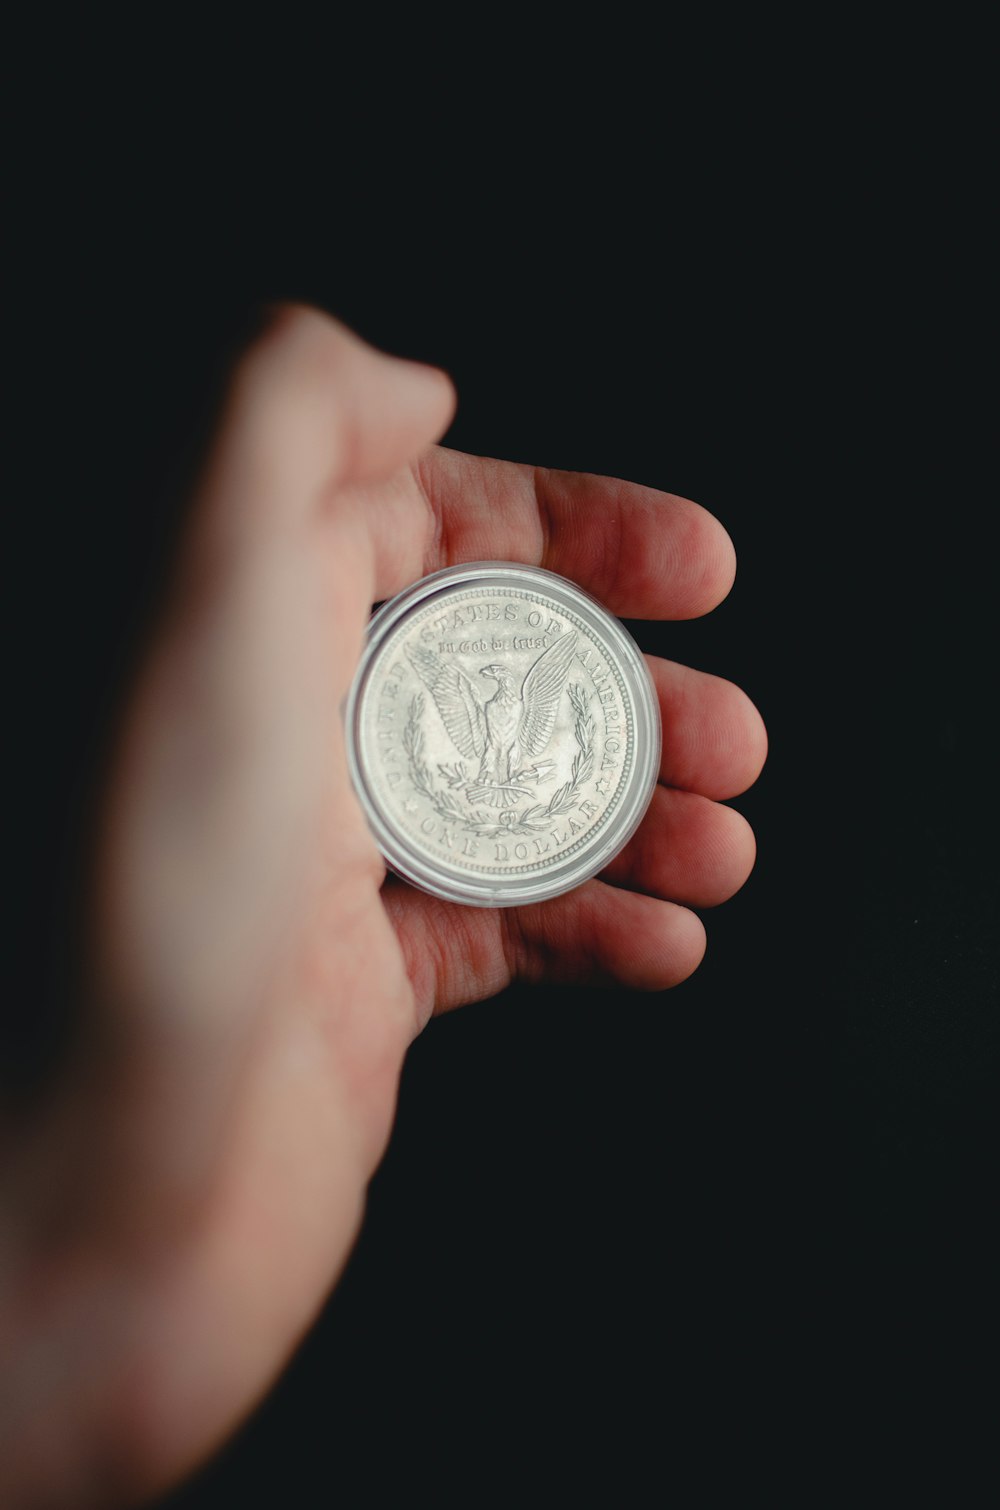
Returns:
point(612, 1233)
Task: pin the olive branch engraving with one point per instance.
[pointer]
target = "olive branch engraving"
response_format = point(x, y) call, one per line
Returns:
point(537, 819)
point(444, 804)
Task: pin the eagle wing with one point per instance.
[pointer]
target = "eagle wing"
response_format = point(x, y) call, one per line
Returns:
point(540, 694)
point(456, 701)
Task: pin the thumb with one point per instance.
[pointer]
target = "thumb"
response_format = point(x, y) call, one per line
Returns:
point(228, 747)
point(312, 407)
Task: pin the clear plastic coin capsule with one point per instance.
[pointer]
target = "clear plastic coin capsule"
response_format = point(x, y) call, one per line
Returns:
point(503, 734)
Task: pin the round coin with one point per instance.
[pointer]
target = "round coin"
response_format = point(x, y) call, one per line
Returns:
point(503, 734)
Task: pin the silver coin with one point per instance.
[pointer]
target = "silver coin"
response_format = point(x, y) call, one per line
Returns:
point(503, 734)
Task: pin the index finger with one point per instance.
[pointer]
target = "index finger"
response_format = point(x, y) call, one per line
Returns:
point(643, 553)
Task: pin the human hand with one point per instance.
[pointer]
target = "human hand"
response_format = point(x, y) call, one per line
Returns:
point(188, 1194)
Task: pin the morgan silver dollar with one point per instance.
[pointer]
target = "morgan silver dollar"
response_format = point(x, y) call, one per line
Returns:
point(503, 734)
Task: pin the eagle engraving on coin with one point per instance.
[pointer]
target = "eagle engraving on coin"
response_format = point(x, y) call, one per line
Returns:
point(512, 727)
point(503, 734)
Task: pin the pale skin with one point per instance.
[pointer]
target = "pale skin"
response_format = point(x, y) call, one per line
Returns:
point(179, 1204)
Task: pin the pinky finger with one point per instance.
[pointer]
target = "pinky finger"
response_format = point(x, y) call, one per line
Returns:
point(595, 935)
point(601, 935)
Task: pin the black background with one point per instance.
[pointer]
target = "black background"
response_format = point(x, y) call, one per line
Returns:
point(640, 1237)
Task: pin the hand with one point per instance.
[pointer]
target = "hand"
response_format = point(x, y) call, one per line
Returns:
point(183, 1201)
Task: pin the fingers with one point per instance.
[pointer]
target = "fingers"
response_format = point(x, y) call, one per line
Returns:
point(714, 740)
point(637, 930)
point(643, 553)
point(596, 935)
point(688, 849)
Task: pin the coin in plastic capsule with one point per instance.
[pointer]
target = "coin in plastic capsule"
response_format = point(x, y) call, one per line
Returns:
point(503, 734)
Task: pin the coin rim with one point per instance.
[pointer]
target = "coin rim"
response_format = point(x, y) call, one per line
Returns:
point(399, 853)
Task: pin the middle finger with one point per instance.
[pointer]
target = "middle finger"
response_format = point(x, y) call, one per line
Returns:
point(714, 741)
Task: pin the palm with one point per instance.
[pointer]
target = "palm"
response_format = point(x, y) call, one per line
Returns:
point(632, 926)
point(258, 979)
point(368, 958)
